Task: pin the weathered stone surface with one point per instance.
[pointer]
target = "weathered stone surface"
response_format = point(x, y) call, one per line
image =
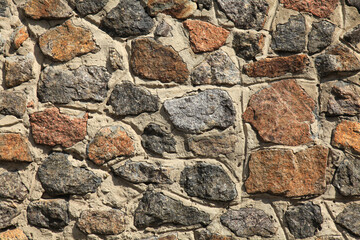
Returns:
point(11, 186)
point(204, 234)
point(13, 234)
point(248, 45)
point(14, 147)
point(304, 220)
point(12, 103)
point(204, 36)
point(156, 140)
point(207, 4)
point(353, 37)
point(19, 36)
point(109, 143)
point(8, 211)
point(290, 36)
point(86, 7)
point(153, 61)
point(320, 36)
point(115, 59)
point(4, 6)
point(247, 222)
point(177, 8)
point(281, 113)
point(277, 66)
point(156, 209)
point(66, 42)
point(18, 69)
point(50, 127)
point(163, 29)
point(59, 177)
point(320, 8)
point(346, 136)
point(2, 41)
point(343, 100)
point(281, 172)
point(197, 113)
point(47, 9)
point(250, 14)
point(128, 18)
point(102, 222)
point(166, 237)
point(349, 218)
point(143, 172)
point(86, 83)
point(128, 99)
point(52, 214)
point(208, 181)
point(347, 178)
point(353, 3)
point(216, 69)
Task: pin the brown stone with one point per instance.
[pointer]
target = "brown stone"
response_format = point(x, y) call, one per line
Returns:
point(153, 61)
point(177, 8)
point(204, 234)
point(281, 113)
point(14, 147)
point(18, 69)
point(13, 234)
point(283, 172)
point(47, 9)
point(19, 36)
point(344, 100)
point(278, 66)
point(319, 8)
point(205, 37)
point(67, 41)
point(347, 136)
point(50, 127)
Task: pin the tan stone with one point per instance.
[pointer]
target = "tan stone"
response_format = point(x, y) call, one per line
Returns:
point(347, 136)
point(176, 8)
point(13, 234)
point(14, 147)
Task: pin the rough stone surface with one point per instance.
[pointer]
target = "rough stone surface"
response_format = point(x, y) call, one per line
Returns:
point(347, 177)
point(4, 6)
point(204, 4)
point(216, 69)
point(247, 222)
point(19, 36)
point(354, 3)
point(304, 220)
point(204, 234)
point(353, 37)
point(13, 234)
point(11, 186)
point(163, 29)
point(166, 237)
point(50, 127)
point(18, 69)
point(319, 8)
point(248, 45)
point(86, 83)
point(156, 209)
point(66, 42)
point(2, 42)
point(344, 100)
point(59, 177)
point(8, 212)
point(281, 113)
point(115, 59)
point(204, 36)
point(128, 18)
point(12, 103)
point(197, 113)
point(47, 9)
point(346, 136)
point(153, 61)
point(349, 218)
point(177, 8)
point(86, 7)
point(156, 140)
point(283, 172)
point(14, 147)
point(208, 181)
point(129, 99)
point(250, 14)
point(320, 36)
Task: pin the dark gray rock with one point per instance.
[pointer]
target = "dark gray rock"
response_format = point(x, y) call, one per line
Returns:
point(247, 222)
point(87, 83)
point(18, 69)
point(208, 181)
point(52, 214)
point(11, 186)
point(12, 103)
point(354, 3)
point(249, 14)
point(347, 177)
point(156, 209)
point(128, 99)
point(349, 218)
point(290, 36)
point(163, 29)
point(248, 45)
point(304, 220)
point(4, 6)
point(353, 36)
point(85, 7)
point(116, 60)
point(320, 36)
point(8, 211)
point(207, 4)
point(204, 234)
point(343, 100)
point(201, 112)
point(156, 140)
point(128, 18)
point(59, 177)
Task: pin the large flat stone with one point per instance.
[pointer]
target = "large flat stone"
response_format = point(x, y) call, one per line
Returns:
point(346, 136)
point(14, 148)
point(319, 8)
point(47, 9)
point(349, 218)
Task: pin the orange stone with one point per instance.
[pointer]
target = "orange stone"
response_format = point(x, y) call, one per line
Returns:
point(14, 234)
point(347, 136)
point(320, 8)
point(47, 9)
point(177, 8)
point(14, 147)
point(19, 36)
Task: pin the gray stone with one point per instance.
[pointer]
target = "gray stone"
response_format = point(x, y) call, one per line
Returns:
point(201, 112)
point(320, 36)
point(217, 69)
point(304, 220)
point(247, 222)
point(343, 100)
point(18, 69)
point(12, 103)
point(115, 59)
point(290, 36)
point(4, 6)
point(128, 99)
point(59, 177)
point(248, 14)
point(87, 83)
point(156, 140)
point(2, 44)
point(128, 18)
point(353, 36)
point(347, 177)
point(85, 7)
point(204, 234)
point(12, 187)
point(156, 209)
point(8, 211)
point(354, 3)
point(207, 4)
point(349, 218)
point(248, 45)
point(208, 181)
point(52, 214)
point(163, 29)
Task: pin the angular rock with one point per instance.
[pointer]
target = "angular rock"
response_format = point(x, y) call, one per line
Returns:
point(47, 9)
point(216, 69)
point(18, 69)
point(344, 100)
point(12, 103)
point(4, 6)
point(154, 61)
point(247, 222)
point(66, 42)
point(156, 209)
point(201, 112)
point(346, 136)
point(208, 181)
point(11, 186)
point(281, 113)
point(19, 36)
point(207, 4)
point(163, 29)
point(290, 36)
point(298, 174)
point(127, 19)
point(277, 66)
point(248, 45)
point(320, 36)
point(349, 218)
point(250, 14)
point(177, 8)
point(13, 234)
point(8, 212)
point(353, 37)
point(86, 7)
point(115, 59)
point(156, 140)
point(304, 220)
point(319, 8)
point(14, 148)
point(102, 222)
point(129, 99)
point(86, 83)
point(52, 214)
point(204, 234)
point(109, 143)
point(353, 3)
point(204, 36)
point(50, 127)
point(347, 178)
point(59, 177)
